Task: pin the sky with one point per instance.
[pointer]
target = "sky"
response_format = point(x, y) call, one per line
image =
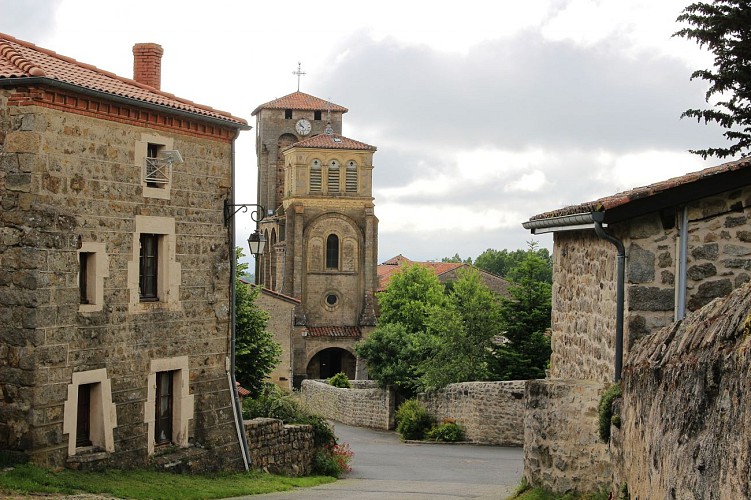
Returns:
point(484, 113)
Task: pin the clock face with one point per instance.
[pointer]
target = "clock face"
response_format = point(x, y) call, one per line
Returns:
point(302, 127)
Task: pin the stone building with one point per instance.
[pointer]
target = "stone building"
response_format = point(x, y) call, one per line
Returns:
point(445, 271)
point(656, 253)
point(320, 228)
point(114, 265)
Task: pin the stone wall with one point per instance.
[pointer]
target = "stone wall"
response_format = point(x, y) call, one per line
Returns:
point(490, 412)
point(372, 408)
point(281, 311)
point(583, 307)
point(686, 415)
point(562, 450)
point(71, 181)
point(278, 448)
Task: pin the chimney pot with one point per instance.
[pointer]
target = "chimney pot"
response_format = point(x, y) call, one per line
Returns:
point(147, 64)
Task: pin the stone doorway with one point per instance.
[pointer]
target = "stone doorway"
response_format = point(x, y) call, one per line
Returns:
point(329, 362)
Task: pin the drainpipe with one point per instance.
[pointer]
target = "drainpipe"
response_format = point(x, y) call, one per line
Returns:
point(682, 257)
point(598, 218)
point(236, 407)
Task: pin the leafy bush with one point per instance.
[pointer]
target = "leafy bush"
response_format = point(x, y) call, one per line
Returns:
point(413, 420)
point(333, 460)
point(606, 417)
point(340, 380)
point(448, 431)
point(272, 402)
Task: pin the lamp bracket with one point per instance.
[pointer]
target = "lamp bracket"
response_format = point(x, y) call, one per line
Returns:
point(257, 214)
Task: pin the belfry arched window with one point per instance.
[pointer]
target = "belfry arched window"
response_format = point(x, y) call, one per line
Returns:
point(332, 252)
point(315, 176)
point(333, 177)
point(351, 177)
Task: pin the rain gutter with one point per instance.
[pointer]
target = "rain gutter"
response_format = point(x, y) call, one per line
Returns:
point(585, 221)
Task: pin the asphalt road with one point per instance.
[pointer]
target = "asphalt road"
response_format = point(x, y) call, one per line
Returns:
point(385, 468)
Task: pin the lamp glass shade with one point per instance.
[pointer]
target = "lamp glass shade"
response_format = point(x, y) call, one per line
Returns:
point(256, 243)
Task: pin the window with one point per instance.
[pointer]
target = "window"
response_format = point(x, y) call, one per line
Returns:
point(157, 169)
point(351, 177)
point(83, 415)
point(163, 408)
point(332, 252)
point(317, 115)
point(93, 267)
point(85, 260)
point(148, 267)
point(315, 176)
point(287, 114)
point(333, 177)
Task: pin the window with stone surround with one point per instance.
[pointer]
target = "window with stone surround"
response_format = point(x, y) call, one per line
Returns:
point(333, 177)
point(169, 404)
point(351, 177)
point(315, 176)
point(287, 114)
point(89, 416)
point(153, 273)
point(93, 267)
point(332, 252)
point(155, 170)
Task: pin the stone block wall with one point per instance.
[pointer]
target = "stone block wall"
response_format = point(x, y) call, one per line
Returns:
point(372, 408)
point(562, 448)
point(278, 448)
point(67, 179)
point(281, 317)
point(685, 413)
point(490, 412)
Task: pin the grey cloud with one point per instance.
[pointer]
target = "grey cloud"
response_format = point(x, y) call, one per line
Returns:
point(29, 20)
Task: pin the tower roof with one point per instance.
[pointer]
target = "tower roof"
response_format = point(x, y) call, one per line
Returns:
point(333, 141)
point(24, 63)
point(301, 101)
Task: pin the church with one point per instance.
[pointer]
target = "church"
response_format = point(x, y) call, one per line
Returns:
point(322, 235)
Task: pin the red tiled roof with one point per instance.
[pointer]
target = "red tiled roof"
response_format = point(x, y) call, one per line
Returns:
point(20, 60)
point(393, 265)
point(242, 391)
point(334, 141)
point(302, 101)
point(333, 331)
point(639, 193)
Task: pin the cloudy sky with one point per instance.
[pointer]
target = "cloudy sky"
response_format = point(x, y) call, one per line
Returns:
point(484, 112)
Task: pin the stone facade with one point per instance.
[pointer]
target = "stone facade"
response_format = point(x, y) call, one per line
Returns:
point(75, 202)
point(369, 407)
point(279, 448)
point(489, 412)
point(281, 311)
point(321, 229)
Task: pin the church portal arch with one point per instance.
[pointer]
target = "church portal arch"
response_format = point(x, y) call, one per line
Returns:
point(329, 361)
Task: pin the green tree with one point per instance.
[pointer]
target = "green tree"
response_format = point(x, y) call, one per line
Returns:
point(723, 27)
point(525, 316)
point(256, 351)
point(463, 333)
point(457, 259)
point(505, 263)
point(410, 296)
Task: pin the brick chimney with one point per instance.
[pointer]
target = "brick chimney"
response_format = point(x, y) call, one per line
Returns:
point(147, 64)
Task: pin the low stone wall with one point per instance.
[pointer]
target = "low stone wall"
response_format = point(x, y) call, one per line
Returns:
point(279, 448)
point(562, 448)
point(686, 414)
point(372, 407)
point(490, 412)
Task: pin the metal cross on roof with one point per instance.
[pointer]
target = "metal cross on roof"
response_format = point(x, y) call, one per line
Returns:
point(299, 73)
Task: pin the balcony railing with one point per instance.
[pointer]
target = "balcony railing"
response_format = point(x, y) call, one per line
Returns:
point(157, 171)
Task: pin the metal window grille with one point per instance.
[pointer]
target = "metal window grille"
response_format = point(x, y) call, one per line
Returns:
point(157, 171)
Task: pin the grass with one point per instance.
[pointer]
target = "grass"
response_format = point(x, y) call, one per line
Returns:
point(26, 478)
point(526, 492)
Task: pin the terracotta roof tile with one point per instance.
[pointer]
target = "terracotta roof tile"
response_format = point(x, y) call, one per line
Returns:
point(386, 270)
point(302, 101)
point(334, 141)
point(242, 391)
point(20, 59)
point(626, 197)
point(333, 331)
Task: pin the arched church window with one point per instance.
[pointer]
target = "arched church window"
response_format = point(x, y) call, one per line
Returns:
point(333, 176)
point(332, 252)
point(315, 176)
point(351, 177)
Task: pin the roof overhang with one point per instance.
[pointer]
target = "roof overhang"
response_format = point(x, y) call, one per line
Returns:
point(32, 81)
point(575, 222)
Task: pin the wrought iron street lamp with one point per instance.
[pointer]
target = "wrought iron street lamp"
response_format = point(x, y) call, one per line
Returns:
point(256, 241)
